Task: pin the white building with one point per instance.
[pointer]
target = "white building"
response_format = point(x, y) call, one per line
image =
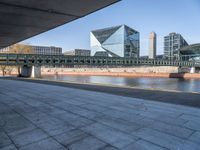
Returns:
point(152, 45)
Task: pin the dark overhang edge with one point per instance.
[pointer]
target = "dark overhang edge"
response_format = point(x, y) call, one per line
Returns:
point(36, 9)
point(62, 24)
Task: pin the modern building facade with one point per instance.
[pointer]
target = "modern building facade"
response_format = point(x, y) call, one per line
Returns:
point(78, 52)
point(156, 57)
point(40, 50)
point(5, 50)
point(152, 45)
point(46, 50)
point(101, 54)
point(118, 41)
point(190, 52)
point(172, 43)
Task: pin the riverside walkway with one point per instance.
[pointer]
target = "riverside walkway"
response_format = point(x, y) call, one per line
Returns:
point(37, 116)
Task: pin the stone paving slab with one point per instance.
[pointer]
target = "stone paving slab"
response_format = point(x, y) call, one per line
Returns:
point(46, 144)
point(195, 137)
point(87, 143)
point(174, 130)
point(4, 140)
point(38, 116)
point(70, 137)
point(112, 136)
point(159, 138)
point(9, 147)
point(28, 137)
point(143, 145)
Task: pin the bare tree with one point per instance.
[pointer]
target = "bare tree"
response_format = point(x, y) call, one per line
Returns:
point(3, 69)
point(21, 49)
point(16, 49)
point(9, 69)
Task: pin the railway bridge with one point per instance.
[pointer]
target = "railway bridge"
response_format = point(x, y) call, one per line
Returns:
point(31, 63)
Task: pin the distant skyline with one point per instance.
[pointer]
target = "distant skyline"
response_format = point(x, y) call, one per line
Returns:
point(145, 16)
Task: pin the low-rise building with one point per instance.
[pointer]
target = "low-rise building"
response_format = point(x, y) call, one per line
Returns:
point(46, 50)
point(78, 52)
point(101, 54)
point(189, 53)
point(40, 50)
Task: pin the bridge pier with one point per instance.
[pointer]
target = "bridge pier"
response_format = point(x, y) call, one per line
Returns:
point(30, 71)
point(192, 70)
point(179, 69)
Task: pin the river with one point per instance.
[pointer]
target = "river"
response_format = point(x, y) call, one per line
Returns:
point(185, 85)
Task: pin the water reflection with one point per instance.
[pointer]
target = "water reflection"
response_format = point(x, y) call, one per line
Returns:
point(187, 85)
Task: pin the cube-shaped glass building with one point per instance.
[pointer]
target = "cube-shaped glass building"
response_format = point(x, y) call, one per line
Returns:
point(118, 41)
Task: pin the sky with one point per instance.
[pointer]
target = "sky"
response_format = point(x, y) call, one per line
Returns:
point(145, 16)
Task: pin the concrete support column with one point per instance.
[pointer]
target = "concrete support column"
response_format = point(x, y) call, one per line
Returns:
point(180, 70)
point(25, 71)
point(36, 72)
point(192, 70)
point(31, 71)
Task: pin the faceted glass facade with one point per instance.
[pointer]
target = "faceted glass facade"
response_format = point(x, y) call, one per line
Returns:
point(191, 53)
point(119, 41)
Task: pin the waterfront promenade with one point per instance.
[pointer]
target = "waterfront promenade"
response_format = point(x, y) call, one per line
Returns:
point(72, 117)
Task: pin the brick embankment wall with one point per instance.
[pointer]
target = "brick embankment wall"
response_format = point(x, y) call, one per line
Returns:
point(10, 72)
point(155, 72)
point(111, 70)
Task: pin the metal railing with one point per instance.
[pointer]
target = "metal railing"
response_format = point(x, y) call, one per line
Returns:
point(53, 60)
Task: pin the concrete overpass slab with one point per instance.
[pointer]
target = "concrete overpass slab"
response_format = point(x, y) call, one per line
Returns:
point(21, 19)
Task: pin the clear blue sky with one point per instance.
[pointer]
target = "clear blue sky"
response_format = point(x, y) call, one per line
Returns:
point(161, 16)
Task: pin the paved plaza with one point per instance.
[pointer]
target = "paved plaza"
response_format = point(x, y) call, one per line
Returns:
point(37, 116)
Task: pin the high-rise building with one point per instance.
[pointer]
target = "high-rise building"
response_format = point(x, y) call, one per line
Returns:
point(172, 43)
point(118, 41)
point(152, 45)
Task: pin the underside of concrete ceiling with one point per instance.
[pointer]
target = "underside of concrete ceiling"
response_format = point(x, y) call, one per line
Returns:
point(22, 19)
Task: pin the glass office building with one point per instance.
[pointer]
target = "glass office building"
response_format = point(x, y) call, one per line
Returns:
point(172, 43)
point(191, 52)
point(118, 41)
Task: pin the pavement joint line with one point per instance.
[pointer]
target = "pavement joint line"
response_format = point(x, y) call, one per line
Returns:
point(88, 135)
point(63, 110)
point(49, 136)
point(80, 126)
point(82, 117)
point(154, 144)
point(12, 142)
point(37, 127)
